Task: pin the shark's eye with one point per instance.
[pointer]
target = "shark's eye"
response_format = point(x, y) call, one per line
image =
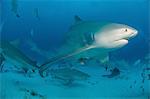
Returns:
point(126, 30)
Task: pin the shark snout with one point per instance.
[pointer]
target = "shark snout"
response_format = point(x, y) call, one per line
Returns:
point(127, 36)
point(134, 33)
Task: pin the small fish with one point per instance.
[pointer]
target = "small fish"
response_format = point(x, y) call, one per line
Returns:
point(32, 32)
point(137, 62)
point(143, 89)
point(2, 59)
point(148, 76)
point(141, 86)
point(131, 86)
point(143, 80)
point(106, 68)
point(114, 72)
point(142, 75)
point(17, 15)
point(34, 93)
point(1, 27)
point(36, 11)
point(83, 60)
point(135, 82)
point(148, 68)
point(14, 7)
point(31, 92)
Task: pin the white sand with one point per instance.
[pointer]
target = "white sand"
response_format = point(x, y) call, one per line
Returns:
point(14, 86)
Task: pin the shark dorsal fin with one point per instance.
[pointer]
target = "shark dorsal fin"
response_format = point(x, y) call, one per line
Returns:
point(77, 19)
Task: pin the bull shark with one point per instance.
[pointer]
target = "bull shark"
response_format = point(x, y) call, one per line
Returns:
point(92, 39)
point(16, 57)
point(68, 75)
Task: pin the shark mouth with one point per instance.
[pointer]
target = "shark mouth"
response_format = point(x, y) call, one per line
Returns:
point(123, 39)
point(129, 37)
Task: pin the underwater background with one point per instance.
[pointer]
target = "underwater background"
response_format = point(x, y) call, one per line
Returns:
point(45, 22)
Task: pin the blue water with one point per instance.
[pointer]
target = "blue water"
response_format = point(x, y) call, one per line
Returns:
point(56, 16)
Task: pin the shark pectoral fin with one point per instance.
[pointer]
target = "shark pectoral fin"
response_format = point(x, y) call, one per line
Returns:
point(15, 43)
